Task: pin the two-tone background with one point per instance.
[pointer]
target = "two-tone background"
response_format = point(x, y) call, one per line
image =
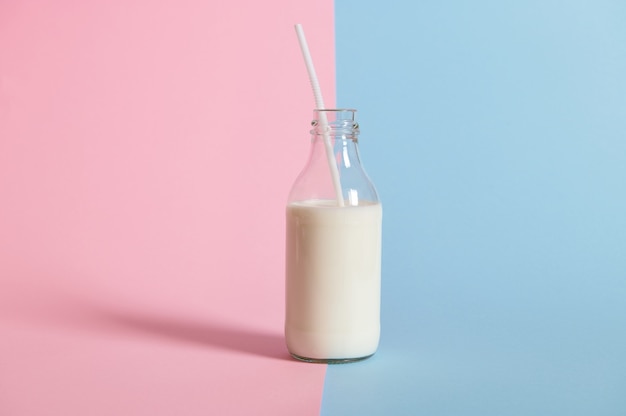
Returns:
point(147, 149)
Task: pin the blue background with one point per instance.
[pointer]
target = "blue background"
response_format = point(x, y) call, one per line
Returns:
point(496, 135)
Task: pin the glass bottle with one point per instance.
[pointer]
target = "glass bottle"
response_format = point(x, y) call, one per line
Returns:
point(333, 253)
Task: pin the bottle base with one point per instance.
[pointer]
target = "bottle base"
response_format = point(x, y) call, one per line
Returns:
point(330, 360)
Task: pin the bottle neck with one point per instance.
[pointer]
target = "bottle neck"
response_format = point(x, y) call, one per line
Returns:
point(334, 163)
point(345, 150)
point(335, 122)
point(339, 128)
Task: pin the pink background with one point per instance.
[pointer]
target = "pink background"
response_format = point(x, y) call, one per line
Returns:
point(146, 153)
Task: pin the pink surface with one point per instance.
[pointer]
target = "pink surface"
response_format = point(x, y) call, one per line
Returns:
point(146, 153)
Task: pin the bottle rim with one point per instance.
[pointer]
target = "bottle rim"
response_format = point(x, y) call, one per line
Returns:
point(353, 110)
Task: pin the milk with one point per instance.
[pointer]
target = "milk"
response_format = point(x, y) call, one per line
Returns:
point(333, 280)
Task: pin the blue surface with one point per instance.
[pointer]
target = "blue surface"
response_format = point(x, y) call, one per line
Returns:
point(496, 135)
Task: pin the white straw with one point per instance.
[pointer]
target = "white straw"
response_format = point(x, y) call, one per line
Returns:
point(319, 102)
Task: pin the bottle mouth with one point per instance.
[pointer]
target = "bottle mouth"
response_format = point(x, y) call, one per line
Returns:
point(352, 110)
point(335, 114)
